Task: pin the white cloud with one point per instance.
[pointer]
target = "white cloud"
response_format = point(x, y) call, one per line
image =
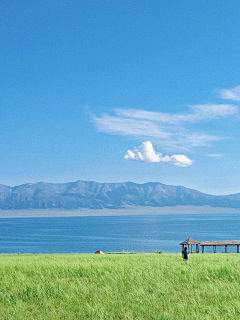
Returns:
point(173, 131)
point(129, 126)
point(146, 153)
point(231, 94)
point(196, 113)
point(214, 155)
point(213, 111)
point(166, 129)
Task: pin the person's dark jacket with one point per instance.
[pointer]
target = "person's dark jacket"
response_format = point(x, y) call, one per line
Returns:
point(185, 254)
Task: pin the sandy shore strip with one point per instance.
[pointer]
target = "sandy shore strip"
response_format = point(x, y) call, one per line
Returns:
point(131, 210)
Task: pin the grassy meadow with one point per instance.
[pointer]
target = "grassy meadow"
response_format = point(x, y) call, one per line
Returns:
point(125, 286)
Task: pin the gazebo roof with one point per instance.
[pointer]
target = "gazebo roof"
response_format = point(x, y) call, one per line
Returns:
point(190, 241)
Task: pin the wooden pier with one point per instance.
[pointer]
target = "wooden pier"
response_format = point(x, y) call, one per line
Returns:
point(190, 242)
point(215, 244)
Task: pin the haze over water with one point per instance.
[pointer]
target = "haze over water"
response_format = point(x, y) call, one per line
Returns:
point(141, 233)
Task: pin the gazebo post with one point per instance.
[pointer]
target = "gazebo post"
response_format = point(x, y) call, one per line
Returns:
point(197, 248)
point(202, 249)
point(191, 248)
point(214, 249)
point(226, 249)
point(237, 248)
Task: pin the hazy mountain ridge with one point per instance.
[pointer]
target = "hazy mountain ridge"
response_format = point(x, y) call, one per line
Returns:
point(94, 195)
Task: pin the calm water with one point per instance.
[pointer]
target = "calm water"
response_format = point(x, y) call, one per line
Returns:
point(114, 233)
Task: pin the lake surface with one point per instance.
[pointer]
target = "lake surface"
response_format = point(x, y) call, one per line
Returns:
point(146, 233)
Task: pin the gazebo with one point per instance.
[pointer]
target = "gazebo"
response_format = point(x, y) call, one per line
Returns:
point(190, 242)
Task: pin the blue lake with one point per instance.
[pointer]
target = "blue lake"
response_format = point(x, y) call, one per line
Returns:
point(141, 233)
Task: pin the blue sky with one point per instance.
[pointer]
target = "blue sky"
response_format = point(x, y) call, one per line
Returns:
point(115, 91)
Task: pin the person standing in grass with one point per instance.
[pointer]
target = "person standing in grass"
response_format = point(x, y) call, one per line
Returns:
point(185, 254)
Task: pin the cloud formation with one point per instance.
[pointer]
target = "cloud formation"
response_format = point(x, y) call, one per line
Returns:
point(146, 153)
point(170, 130)
point(231, 94)
point(215, 155)
point(202, 112)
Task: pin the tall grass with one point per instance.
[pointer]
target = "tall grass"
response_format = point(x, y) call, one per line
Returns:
point(133, 286)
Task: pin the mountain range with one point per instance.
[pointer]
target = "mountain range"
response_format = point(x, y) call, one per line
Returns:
point(94, 195)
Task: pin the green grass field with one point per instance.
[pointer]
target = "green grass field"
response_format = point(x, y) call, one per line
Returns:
point(130, 286)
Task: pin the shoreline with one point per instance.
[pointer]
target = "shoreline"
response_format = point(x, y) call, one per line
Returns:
point(128, 211)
